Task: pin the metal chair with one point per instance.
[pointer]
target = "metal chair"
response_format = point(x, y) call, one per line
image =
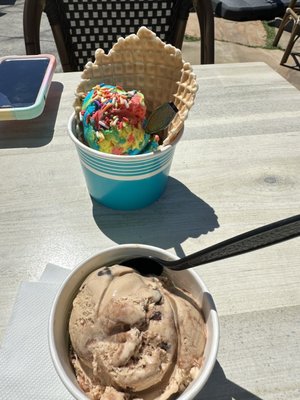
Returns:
point(291, 14)
point(80, 27)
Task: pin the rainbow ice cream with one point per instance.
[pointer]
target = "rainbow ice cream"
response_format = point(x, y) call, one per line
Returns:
point(113, 121)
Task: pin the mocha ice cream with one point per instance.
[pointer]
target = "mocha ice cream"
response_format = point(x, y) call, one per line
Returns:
point(134, 337)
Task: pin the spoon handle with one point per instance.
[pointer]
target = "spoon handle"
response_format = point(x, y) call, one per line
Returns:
point(253, 240)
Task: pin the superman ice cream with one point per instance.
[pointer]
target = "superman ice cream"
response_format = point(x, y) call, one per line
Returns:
point(113, 121)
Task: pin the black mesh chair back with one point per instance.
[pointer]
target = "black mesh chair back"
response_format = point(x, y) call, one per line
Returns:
point(81, 26)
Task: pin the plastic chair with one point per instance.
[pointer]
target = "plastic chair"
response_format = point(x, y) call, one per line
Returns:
point(291, 14)
point(80, 27)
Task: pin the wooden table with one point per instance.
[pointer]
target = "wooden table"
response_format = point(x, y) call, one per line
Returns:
point(236, 168)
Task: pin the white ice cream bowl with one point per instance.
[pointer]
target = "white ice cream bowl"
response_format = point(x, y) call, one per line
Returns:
point(61, 308)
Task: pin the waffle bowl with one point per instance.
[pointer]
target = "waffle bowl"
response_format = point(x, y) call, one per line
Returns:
point(142, 61)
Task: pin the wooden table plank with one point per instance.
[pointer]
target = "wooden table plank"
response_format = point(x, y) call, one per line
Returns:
point(257, 357)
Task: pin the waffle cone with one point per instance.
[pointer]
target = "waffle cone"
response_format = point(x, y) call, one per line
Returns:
point(143, 62)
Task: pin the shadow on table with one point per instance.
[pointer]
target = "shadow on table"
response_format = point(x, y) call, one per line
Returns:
point(34, 132)
point(218, 387)
point(176, 216)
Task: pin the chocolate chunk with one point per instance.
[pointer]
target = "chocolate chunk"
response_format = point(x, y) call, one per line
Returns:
point(164, 345)
point(156, 316)
point(104, 271)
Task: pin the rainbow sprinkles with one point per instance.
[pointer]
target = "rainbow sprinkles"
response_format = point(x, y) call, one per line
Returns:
point(113, 121)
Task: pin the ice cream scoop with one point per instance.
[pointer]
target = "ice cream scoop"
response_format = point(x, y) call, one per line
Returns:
point(134, 337)
point(253, 240)
point(113, 120)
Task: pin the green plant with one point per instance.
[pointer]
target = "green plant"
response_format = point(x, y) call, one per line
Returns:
point(190, 38)
point(270, 31)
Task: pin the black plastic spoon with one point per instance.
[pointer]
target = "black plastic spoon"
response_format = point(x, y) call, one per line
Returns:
point(253, 240)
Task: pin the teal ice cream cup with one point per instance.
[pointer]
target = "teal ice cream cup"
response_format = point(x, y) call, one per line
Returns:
point(124, 182)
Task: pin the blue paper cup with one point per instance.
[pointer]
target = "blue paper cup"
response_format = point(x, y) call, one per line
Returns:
point(124, 182)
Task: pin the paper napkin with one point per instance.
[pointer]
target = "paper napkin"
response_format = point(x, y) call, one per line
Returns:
point(26, 369)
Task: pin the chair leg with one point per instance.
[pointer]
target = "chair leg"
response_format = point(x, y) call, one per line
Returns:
point(32, 13)
point(282, 25)
point(294, 36)
point(205, 15)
